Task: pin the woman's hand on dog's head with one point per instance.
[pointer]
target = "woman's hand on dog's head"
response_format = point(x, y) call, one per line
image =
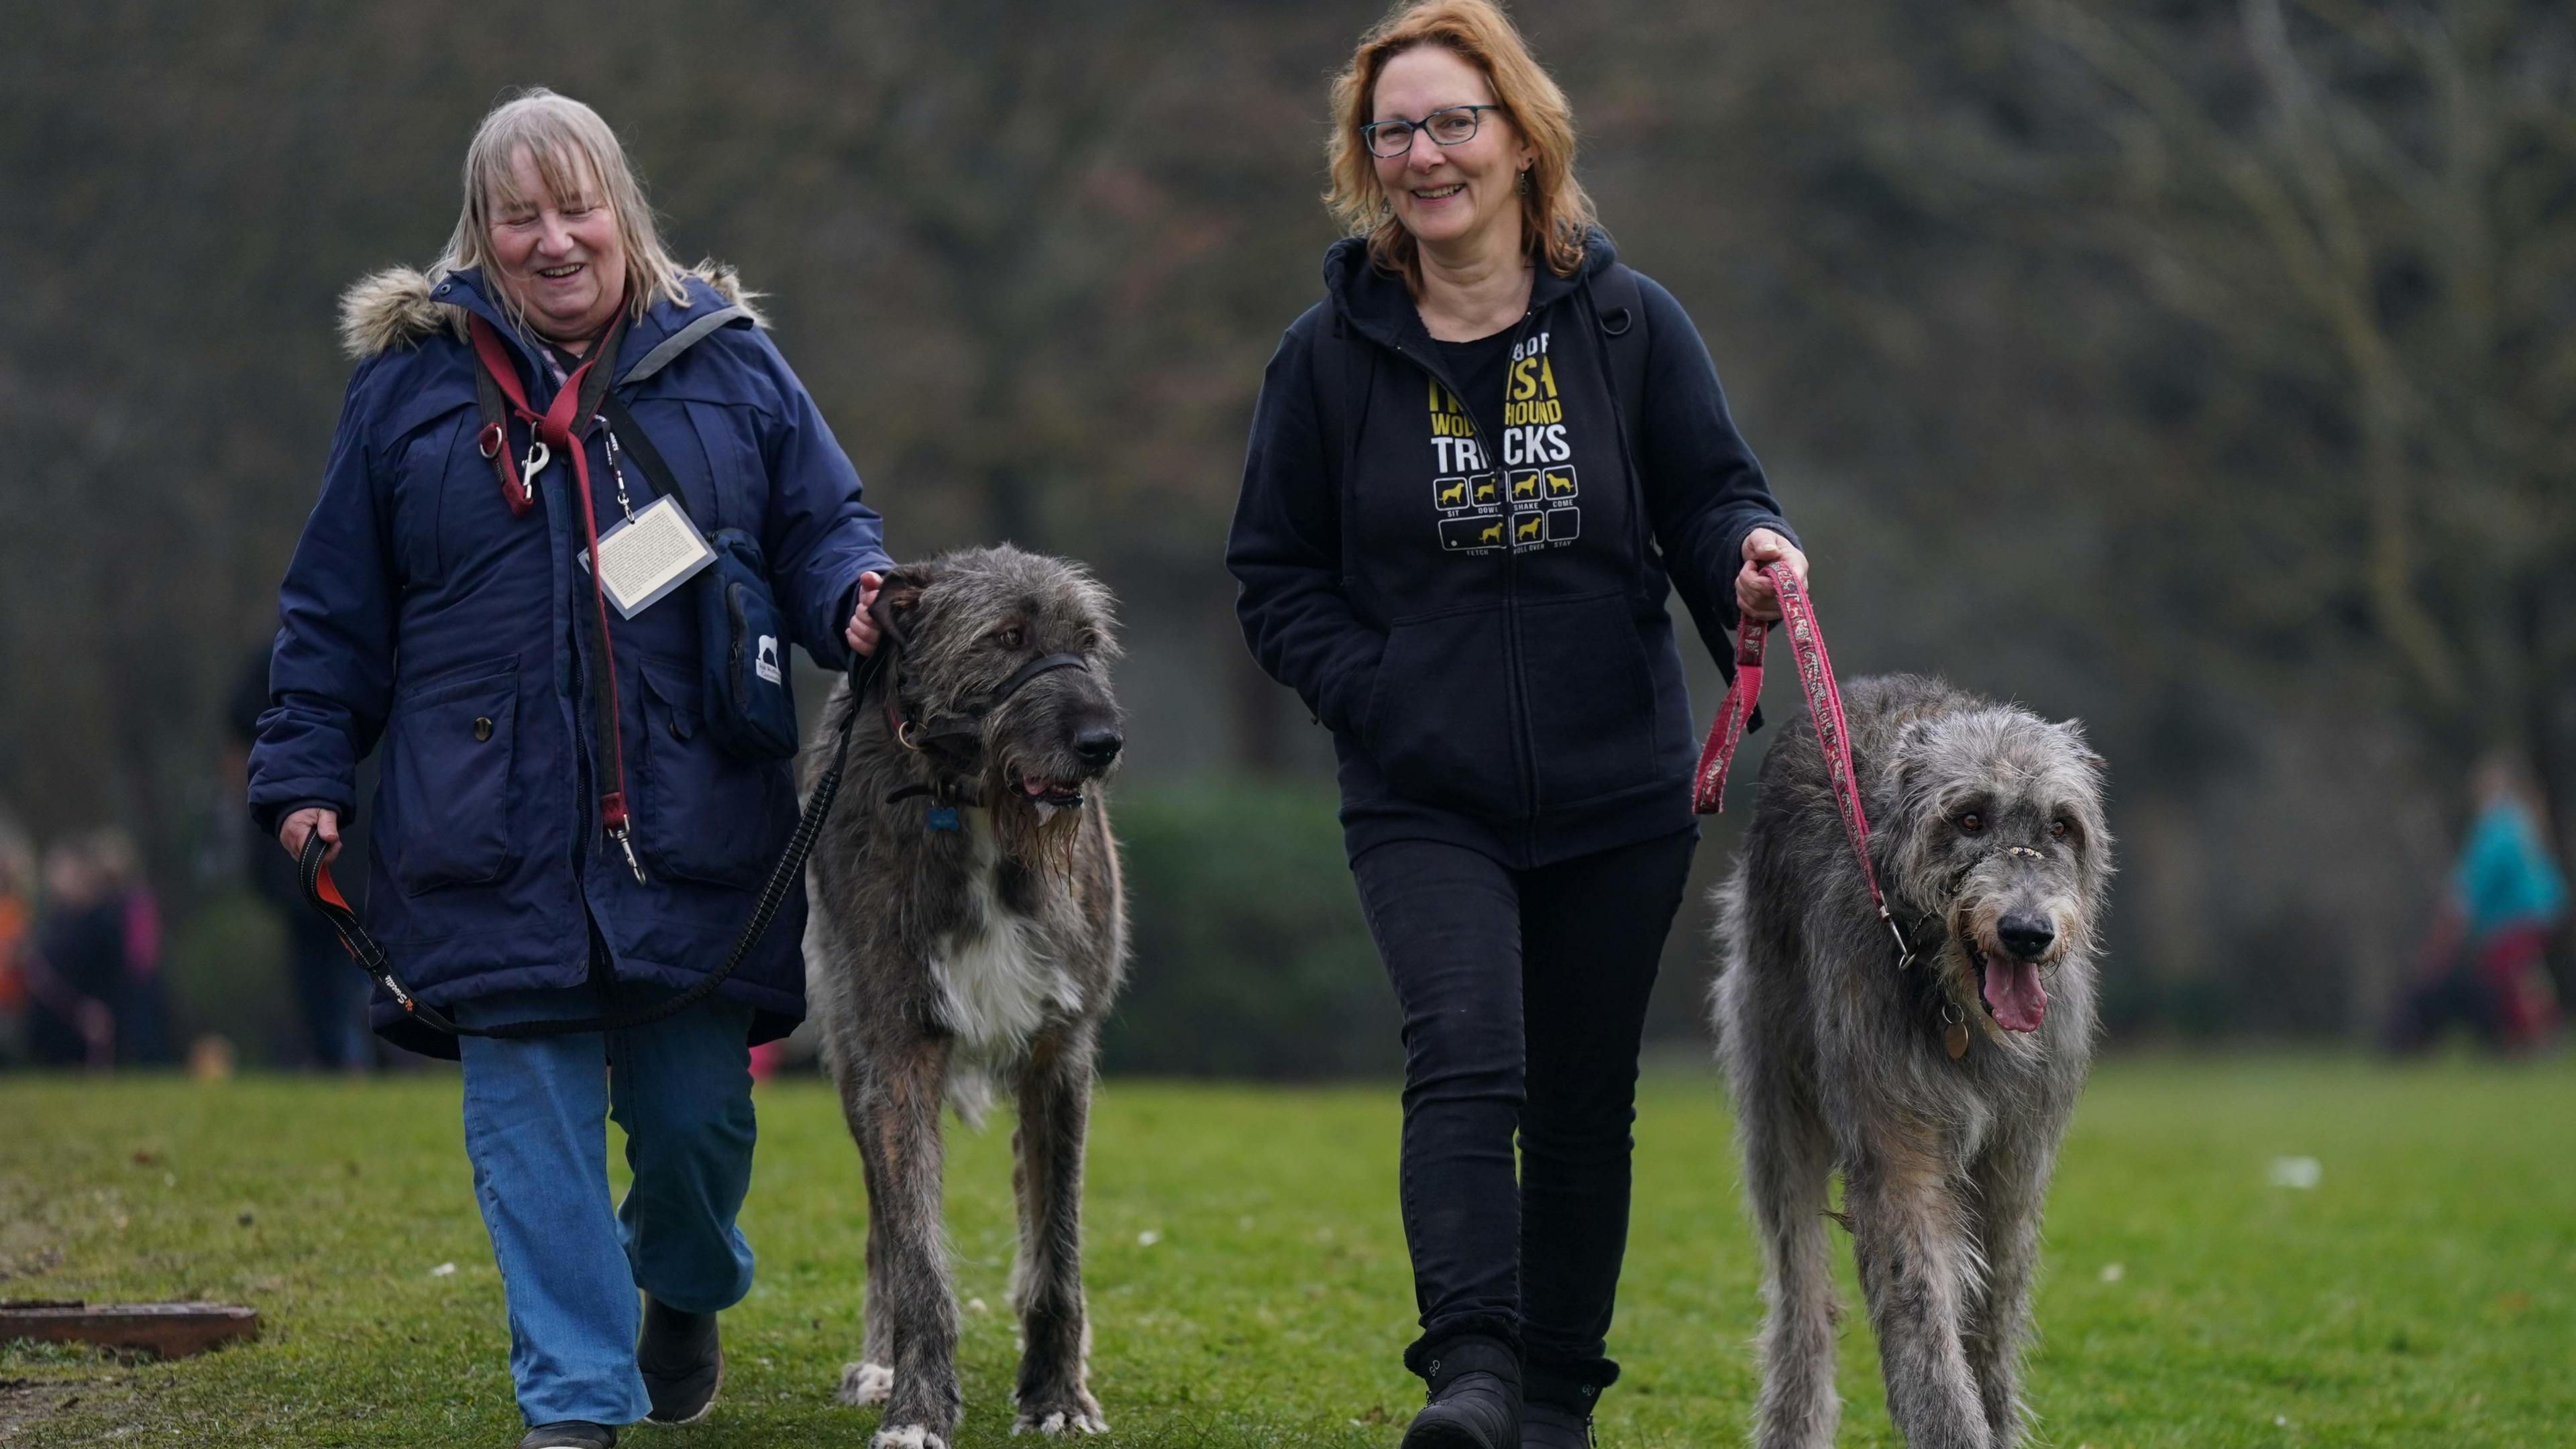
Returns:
point(1753, 592)
point(861, 634)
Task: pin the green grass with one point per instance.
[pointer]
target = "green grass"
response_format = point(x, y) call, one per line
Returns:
point(2423, 1293)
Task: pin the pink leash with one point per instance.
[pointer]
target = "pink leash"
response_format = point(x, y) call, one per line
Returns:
point(1824, 707)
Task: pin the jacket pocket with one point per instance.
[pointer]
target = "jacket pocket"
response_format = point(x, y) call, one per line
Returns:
point(449, 748)
point(702, 814)
point(1439, 719)
point(1591, 700)
point(428, 468)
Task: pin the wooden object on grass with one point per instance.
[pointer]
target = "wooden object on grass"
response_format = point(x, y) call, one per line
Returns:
point(172, 1330)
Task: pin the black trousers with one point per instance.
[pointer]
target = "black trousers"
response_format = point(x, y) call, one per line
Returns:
point(1524, 996)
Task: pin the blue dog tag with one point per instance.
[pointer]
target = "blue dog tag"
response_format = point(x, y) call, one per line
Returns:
point(940, 817)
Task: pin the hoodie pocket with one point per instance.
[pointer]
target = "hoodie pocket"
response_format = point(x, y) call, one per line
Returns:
point(1439, 721)
point(449, 747)
point(1591, 700)
point(702, 814)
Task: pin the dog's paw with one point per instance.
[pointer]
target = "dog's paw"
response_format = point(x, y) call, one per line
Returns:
point(906, 1436)
point(1060, 1414)
point(863, 1384)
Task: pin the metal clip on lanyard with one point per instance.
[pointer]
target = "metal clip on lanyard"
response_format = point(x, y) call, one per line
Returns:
point(1824, 707)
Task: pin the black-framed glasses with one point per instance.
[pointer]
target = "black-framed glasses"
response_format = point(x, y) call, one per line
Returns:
point(1448, 126)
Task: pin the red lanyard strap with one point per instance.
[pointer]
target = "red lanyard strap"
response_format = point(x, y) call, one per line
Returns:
point(558, 432)
point(1824, 707)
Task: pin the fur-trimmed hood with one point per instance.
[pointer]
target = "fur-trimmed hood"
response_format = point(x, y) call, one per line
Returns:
point(395, 307)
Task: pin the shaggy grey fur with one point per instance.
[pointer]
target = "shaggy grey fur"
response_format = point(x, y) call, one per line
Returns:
point(1986, 829)
point(938, 959)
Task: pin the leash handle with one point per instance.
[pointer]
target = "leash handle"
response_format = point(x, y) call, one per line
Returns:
point(324, 895)
point(1824, 709)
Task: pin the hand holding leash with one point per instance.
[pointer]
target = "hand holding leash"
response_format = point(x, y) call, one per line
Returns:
point(310, 821)
point(1755, 598)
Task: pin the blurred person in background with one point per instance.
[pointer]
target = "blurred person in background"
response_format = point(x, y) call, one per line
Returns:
point(2485, 961)
point(17, 938)
point(141, 998)
point(560, 832)
point(1477, 469)
point(330, 990)
point(77, 971)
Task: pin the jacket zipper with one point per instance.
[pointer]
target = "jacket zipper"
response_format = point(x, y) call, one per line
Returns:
point(1517, 683)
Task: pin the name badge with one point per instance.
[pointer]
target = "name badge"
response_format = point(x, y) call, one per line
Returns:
point(645, 557)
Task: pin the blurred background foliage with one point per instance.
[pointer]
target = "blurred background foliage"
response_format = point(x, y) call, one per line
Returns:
point(2203, 370)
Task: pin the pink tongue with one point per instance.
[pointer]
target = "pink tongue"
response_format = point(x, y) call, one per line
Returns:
point(2014, 994)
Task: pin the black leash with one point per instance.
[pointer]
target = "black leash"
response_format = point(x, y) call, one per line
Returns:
point(324, 893)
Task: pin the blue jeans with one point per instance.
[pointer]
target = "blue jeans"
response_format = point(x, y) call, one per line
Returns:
point(536, 1114)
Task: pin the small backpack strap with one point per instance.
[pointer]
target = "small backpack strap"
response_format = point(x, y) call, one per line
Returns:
point(1621, 306)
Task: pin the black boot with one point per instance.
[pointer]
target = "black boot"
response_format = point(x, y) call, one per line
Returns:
point(681, 1362)
point(1475, 1399)
point(1547, 1426)
point(1556, 1411)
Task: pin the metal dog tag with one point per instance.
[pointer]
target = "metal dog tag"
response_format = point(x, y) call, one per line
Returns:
point(1954, 1039)
point(648, 556)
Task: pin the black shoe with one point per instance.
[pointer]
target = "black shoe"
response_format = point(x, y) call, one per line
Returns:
point(1471, 1411)
point(570, 1434)
point(1545, 1426)
point(681, 1362)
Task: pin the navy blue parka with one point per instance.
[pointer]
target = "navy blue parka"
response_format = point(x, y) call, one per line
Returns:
point(421, 617)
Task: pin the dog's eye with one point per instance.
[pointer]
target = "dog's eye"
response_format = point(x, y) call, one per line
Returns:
point(2059, 830)
point(1972, 822)
point(1010, 638)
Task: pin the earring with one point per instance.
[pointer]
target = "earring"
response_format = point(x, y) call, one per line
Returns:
point(1524, 181)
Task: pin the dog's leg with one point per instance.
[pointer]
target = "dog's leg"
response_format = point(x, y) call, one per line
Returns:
point(1046, 1280)
point(912, 1305)
point(1917, 1266)
point(872, 1378)
point(1788, 1161)
point(2011, 1182)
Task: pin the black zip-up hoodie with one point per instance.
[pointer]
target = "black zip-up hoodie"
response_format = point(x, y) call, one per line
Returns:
point(1481, 621)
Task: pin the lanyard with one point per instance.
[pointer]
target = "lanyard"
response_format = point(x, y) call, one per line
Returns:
point(557, 430)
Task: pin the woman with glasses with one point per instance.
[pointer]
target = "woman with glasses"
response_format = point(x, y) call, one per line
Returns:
point(1476, 469)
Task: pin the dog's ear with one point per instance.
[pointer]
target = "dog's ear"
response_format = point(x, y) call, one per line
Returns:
point(900, 595)
point(2074, 731)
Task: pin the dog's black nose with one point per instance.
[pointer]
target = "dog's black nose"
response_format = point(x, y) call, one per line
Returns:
point(1098, 746)
point(2025, 936)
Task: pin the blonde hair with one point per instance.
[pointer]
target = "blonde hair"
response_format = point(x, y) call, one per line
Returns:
point(573, 150)
point(1556, 214)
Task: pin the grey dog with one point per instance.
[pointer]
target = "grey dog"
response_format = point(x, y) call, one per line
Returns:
point(1987, 836)
point(968, 926)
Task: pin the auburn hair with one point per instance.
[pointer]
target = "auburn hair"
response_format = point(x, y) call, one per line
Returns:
point(1556, 214)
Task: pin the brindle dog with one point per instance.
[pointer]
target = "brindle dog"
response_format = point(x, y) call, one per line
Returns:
point(967, 925)
point(1987, 835)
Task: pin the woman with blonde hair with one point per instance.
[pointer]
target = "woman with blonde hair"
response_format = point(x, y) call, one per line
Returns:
point(586, 777)
point(1476, 469)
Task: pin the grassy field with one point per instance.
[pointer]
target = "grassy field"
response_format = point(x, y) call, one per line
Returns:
point(1248, 1279)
